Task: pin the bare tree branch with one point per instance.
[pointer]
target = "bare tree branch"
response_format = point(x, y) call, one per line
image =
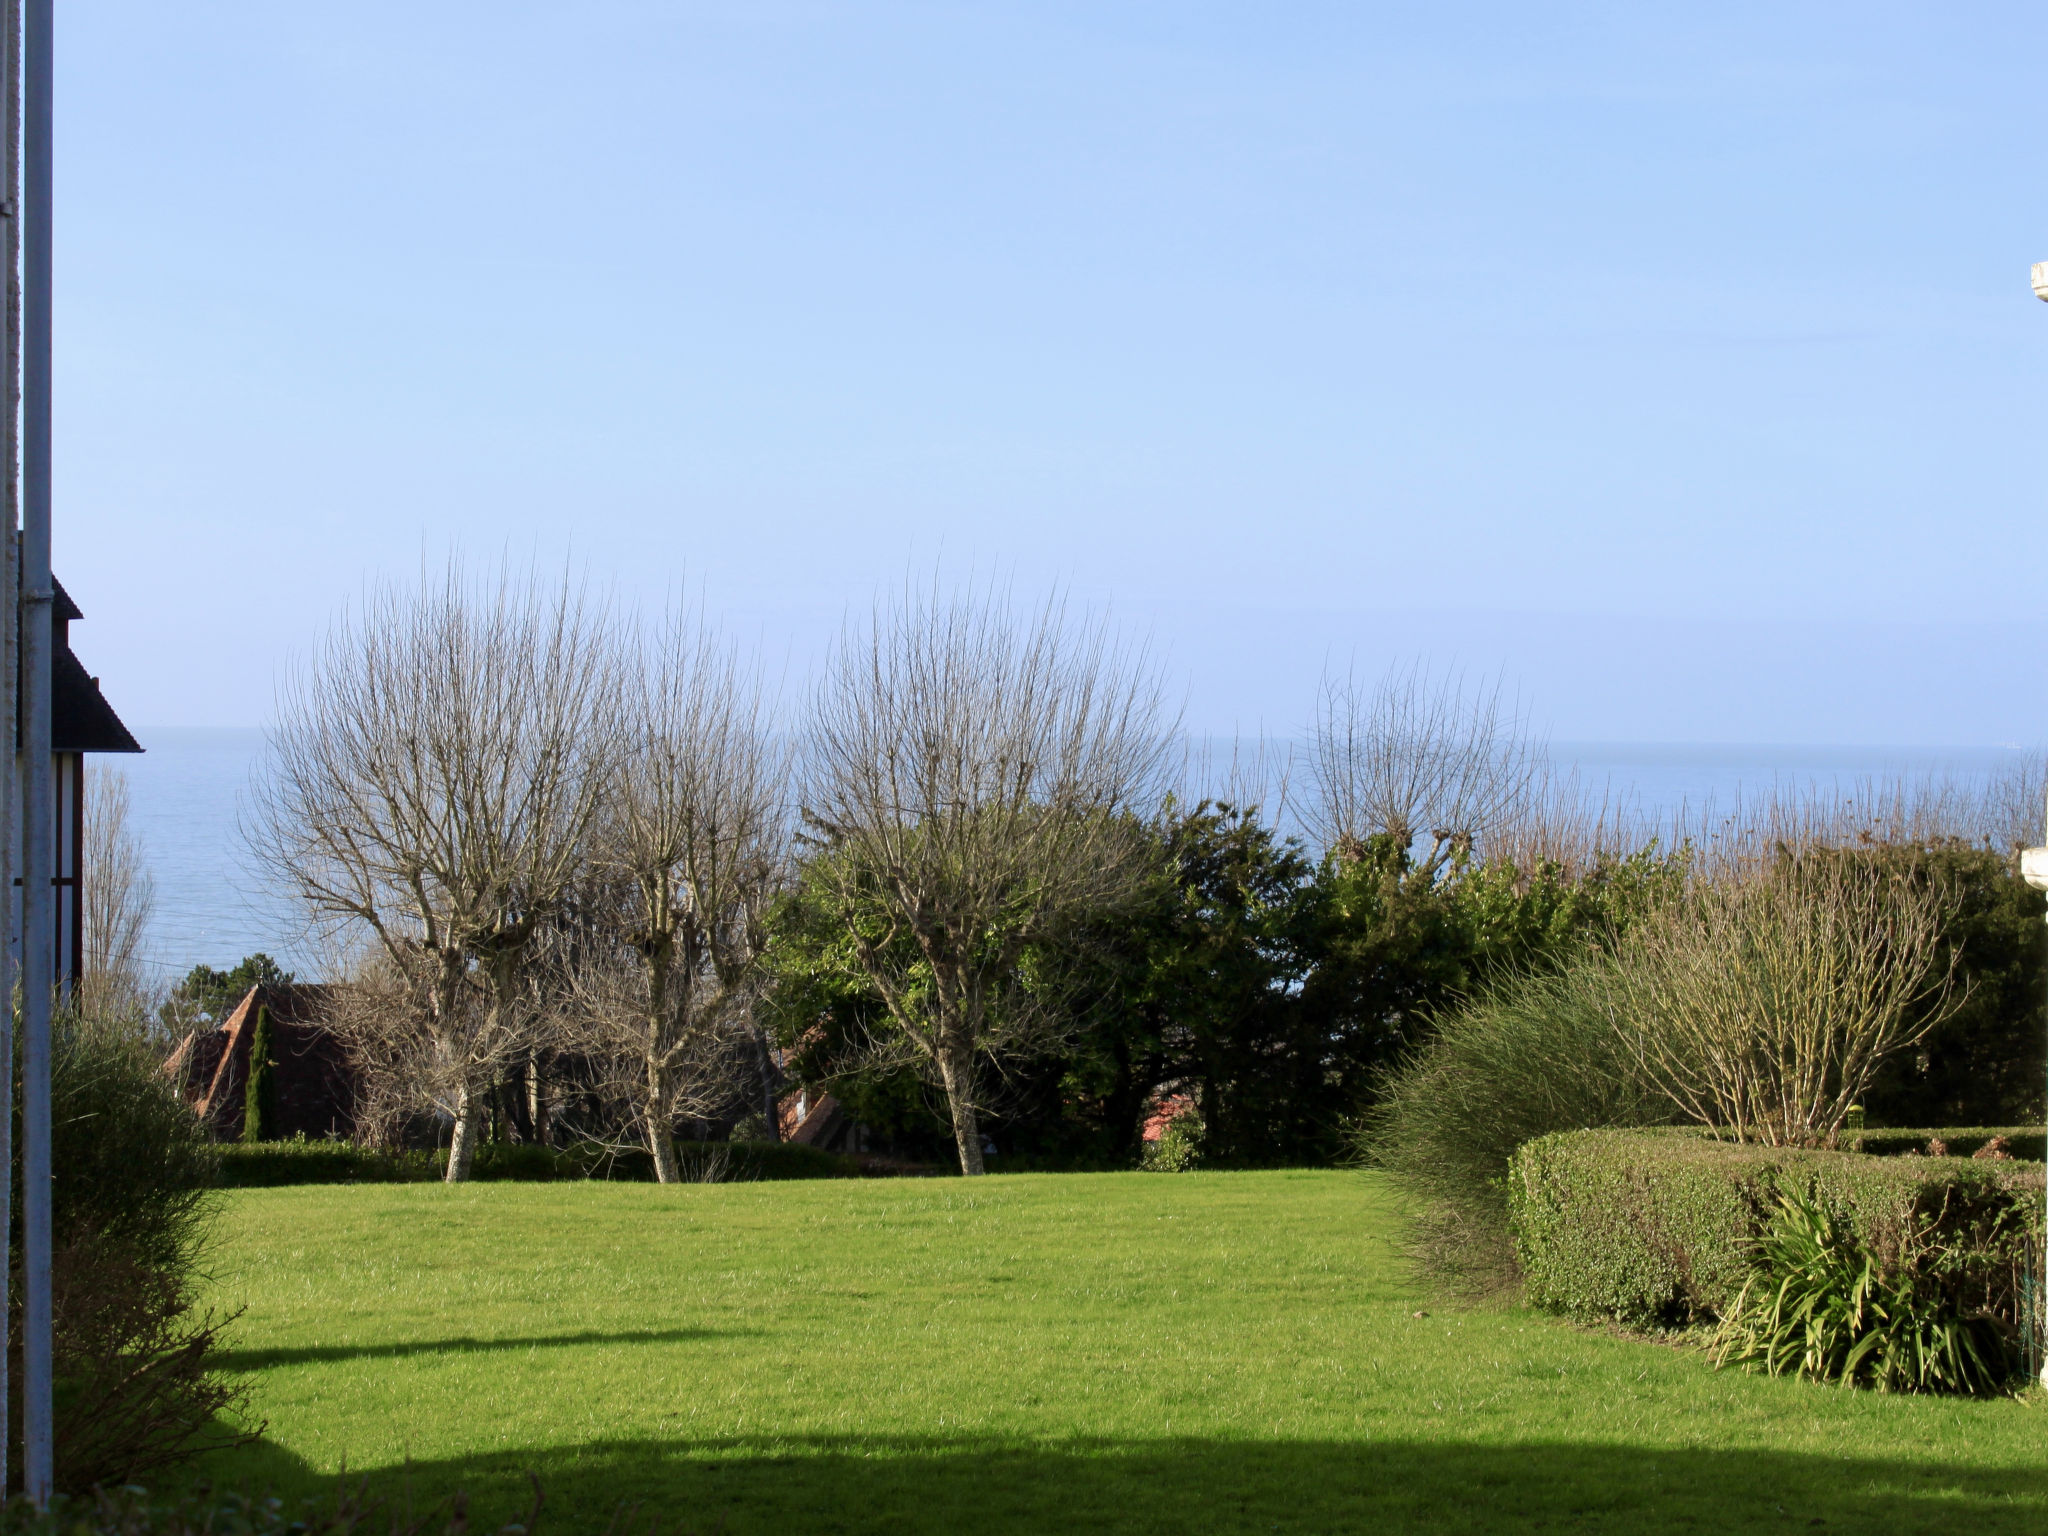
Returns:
point(1415, 757)
point(690, 851)
point(119, 900)
point(971, 778)
point(433, 776)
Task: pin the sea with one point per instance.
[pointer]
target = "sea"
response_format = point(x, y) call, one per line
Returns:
point(189, 789)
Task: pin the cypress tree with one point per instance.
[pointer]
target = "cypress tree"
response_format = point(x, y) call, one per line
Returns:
point(259, 1101)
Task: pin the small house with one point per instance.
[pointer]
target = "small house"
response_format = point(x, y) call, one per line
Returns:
point(314, 1077)
point(81, 721)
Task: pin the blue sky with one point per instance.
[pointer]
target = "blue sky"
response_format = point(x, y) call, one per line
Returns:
point(1677, 362)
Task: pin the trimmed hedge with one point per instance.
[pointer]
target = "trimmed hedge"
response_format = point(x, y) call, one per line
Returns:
point(2028, 1143)
point(2023, 1143)
point(248, 1165)
point(1657, 1231)
point(262, 1164)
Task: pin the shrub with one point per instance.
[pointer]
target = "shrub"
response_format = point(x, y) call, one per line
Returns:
point(1538, 1055)
point(133, 1385)
point(1662, 1231)
point(703, 1162)
point(1179, 1147)
point(761, 1160)
point(1819, 1306)
point(1982, 1064)
point(1766, 999)
point(2024, 1142)
point(253, 1165)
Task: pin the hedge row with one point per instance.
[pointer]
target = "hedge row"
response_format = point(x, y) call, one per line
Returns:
point(245, 1165)
point(1656, 1231)
point(2029, 1143)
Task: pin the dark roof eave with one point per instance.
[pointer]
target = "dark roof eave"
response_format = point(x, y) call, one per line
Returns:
point(81, 719)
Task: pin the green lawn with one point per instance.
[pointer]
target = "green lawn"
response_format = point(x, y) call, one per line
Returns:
point(1116, 1352)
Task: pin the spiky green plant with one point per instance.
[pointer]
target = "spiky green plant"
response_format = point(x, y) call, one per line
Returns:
point(1820, 1306)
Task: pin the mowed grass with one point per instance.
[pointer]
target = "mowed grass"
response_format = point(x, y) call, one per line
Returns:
point(1081, 1353)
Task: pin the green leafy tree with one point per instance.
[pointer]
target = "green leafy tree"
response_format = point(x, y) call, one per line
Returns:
point(1276, 991)
point(1983, 1063)
point(206, 996)
point(970, 781)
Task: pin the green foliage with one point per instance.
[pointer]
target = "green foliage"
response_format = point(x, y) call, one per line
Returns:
point(206, 996)
point(822, 1009)
point(1179, 1147)
point(1818, 1305)
point(1184, 989)
point(1657, 1231)
point(1987, 1062)
point(259, 1095)
point(1275, 990)
point(1528, 1057)
point(1288, 997)
point(250, 1165)
point(1295, 988)
point(2024, 1142)
point(133, 1360)
point(135, 1164)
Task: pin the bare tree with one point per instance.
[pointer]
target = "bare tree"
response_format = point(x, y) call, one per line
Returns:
point(973, 777)
point(1764, 1000)
point(1414, 757)
point(689, 852)
point(119, 898)
point(433, 776)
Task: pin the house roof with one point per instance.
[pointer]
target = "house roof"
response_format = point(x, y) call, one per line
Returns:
point(81, 719)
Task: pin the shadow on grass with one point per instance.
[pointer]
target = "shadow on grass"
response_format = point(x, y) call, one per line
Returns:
point(800, 1486)
point(259, 1359)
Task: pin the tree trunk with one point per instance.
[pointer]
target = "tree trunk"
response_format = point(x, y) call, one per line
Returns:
point(462, 1144)
point(661, 1140)
point(536, 1100)
point(956, 1071)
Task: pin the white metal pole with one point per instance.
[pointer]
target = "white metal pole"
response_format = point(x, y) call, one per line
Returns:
point(38, 940)
point(10, 589)
point(2040, 280)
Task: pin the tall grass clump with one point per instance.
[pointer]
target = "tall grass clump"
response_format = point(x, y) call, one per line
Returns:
point(1533, 1055)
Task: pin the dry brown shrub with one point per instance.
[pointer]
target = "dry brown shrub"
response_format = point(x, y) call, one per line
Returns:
point(1763, 1000)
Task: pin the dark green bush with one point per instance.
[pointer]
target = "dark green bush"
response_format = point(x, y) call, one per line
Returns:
point(134, 1389)
point(761, 1160)
point(251, 1165)
point(2027, 1143)
point(710, 1162)
point(1660, 1231)
point(1983, 1062)
point(133, 1164)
